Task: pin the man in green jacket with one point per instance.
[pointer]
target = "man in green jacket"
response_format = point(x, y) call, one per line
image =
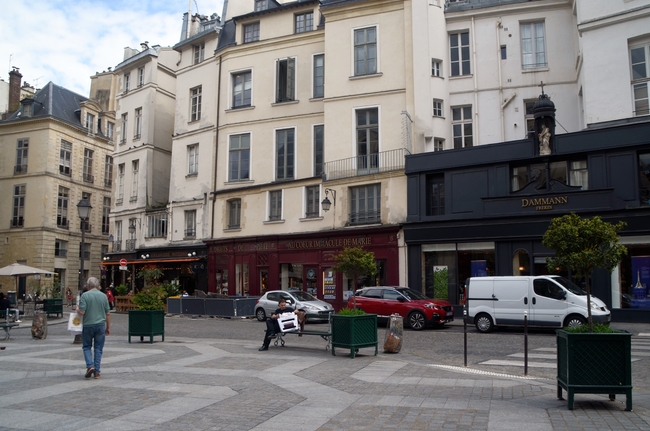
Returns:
point(94, 308)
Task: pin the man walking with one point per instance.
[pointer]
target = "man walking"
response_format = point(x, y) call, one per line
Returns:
point(94, 308)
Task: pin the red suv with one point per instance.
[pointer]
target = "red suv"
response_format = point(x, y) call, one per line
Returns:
point(417, 310)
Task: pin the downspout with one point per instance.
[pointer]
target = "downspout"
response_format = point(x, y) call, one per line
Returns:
point(474, 61)
point(503, 120)
point(216, 152)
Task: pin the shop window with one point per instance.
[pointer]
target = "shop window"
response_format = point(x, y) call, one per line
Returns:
point(521, 263)
point(241, 277)
point(435, 195)
point(573, 173)
point(631, 282)
point(644, 179)
point(291, 276)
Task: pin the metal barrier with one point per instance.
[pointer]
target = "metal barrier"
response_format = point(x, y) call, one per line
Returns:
point(219, 307)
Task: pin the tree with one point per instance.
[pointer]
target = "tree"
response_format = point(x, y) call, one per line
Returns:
point(581, 245)
point(354, 262)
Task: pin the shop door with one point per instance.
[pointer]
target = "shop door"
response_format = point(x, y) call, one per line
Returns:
point(311, 280)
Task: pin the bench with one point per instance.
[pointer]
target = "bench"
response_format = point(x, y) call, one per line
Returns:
point(12, 314)
point(325, 333)
point(7, 327)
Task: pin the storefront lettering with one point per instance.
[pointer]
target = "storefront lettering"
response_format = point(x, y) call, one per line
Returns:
point(329, 243)
point(544, 204)
point(264, 246)
point(220, 249)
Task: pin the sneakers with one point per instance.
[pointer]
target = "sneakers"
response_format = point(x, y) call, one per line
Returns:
point(18, 321)
point(97, 375)
point(89, 372)
point(263, 348)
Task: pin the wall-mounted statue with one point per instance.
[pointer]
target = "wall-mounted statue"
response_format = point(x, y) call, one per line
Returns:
point(544, 140)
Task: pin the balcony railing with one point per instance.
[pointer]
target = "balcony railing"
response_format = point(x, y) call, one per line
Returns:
point(385, 161)
point(130, 245)
point(108, 183)
point(65, 170)
point(17, 222)
point(117, 246)
point(190, 233)
point(20, 169)
point(62, 222)
point(89, 178)
point(365, 217)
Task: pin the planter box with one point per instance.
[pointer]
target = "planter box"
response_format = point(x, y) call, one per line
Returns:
point(589, 363)
point(354, 332)
point(146, 323)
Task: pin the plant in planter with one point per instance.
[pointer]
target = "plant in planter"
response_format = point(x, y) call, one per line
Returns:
point(588, 361)
point(122, 290)
point(149, 319)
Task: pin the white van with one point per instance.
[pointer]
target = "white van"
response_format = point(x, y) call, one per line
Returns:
point(550, 301)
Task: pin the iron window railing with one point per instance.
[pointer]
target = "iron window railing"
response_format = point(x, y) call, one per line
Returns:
point(20, 169)
point(365, 217)
point(130, 245)
point(17, 222)
point(385, 161)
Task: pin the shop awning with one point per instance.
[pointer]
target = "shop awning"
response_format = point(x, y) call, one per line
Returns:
point(152, 260)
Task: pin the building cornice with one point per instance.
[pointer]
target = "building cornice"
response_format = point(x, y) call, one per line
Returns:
point(615, 18)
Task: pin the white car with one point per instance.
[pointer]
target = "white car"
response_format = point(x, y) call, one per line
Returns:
point(296, 299)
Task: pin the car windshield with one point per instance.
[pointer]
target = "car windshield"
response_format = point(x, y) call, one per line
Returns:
point(411, 294)
point(569, 285)
point(303, 296)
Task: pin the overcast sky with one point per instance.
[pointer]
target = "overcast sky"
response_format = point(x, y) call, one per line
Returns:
point(67, 41)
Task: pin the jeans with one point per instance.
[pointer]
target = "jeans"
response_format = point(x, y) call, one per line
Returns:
point(96, 334)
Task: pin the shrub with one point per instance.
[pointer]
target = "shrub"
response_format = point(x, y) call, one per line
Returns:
point(151, 298)
point(601, 328)
point(351, 312)
point(121, 290)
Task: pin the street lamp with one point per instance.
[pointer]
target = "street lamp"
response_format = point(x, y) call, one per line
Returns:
point(326, 203)
point(83, 207)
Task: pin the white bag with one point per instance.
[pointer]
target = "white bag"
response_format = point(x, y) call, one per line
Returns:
point(75, 323)
point(288, 322)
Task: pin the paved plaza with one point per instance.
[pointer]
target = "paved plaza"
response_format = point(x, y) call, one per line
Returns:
point(216, 383)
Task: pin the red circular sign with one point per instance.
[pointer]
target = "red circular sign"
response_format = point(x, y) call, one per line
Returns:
point(122, 262)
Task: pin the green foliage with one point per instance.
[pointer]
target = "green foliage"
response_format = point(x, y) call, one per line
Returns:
point(150, 274)
point(354, 262)
point(581, 245)
point(600, 328)
point(150, 298)
point(121, 290)
point(171, 289)
point(441, 283)
point(351, 312)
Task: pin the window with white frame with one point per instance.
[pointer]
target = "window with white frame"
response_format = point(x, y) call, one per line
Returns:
point(110, 130)
point(65, 157)
point(438, 144)
point(234, 213)
point(275, 205)
point(529, 115)
point(108, 172)
point(88, 166)
point(62, 202)
point(117, 244)
point(365, 51)
point(125, 125)
point(135, 168)
point(141, 76)
point(157, 225)
point(312, 201)
point(367, 138)
point(319, 149)
point(127, 82)
point(251, 32)
point(193, 159)
point(195, 103)
point(138, 123)
point(241, 89)
point(90, 123)
point(533, 46)
point(261, 5)
point(365, 204)
point(22, 151)
point(239, 155)
point(461, 118)
point(640, 68)
point(60, 248)
point(18, 211)
point(437, 108)
point(304, 22)
point(436, 67)
point(319, 76)
point(284, 154)
point(285, 80)
point(459, 54)
point(120, 183)
point(190, 224)
point(106, 212)
point(199, 52)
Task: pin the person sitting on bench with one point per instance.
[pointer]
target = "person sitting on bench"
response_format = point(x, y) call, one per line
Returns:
point(6, 305)
point(272, 326)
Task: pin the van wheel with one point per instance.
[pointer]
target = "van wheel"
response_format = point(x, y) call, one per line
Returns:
point(417, 321)
point(260, 314)
point(574, 321)
point(484, 323)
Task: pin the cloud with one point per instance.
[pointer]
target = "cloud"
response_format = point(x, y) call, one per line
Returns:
point(66, 42)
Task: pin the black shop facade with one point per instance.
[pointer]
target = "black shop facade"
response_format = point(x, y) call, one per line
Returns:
point(250, 266)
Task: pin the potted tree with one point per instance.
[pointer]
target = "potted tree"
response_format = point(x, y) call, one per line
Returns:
point(352, 330)
point(594, 359)
point(148, 320)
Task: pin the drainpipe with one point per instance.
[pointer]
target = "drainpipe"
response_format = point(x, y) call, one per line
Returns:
point(498, 40)
point(216, 152)
point(475, 63)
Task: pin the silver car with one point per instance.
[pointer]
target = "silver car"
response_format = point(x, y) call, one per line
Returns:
point(296, 299)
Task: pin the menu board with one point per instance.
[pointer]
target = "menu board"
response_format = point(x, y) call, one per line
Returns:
point(329, 285)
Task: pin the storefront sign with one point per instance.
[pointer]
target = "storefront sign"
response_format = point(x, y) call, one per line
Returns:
point(329, 243)
point(544, 204)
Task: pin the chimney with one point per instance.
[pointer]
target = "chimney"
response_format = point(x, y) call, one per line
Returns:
point(15, 79)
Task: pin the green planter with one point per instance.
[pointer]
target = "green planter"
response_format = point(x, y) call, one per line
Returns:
point(354, 332)
point(594, 363)
point(146, 323)
point(53, 306)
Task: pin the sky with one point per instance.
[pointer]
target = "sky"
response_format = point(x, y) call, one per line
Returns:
point(68, 41)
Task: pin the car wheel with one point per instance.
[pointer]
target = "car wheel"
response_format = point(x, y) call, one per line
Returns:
point(574, 321)
point(484, 323)
point(260, 314)
point(417, 320)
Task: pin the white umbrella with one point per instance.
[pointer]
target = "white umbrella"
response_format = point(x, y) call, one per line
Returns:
point(16, 269)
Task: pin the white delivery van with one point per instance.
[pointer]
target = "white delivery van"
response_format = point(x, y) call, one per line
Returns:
point(550, 301)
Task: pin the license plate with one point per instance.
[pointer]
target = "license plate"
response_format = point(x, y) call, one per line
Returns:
point(449, 314)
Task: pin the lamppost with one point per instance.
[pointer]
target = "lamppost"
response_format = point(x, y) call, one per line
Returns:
point(83, 207)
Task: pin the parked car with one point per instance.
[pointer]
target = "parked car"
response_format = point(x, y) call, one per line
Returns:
point(296, 299)
point(417, 310)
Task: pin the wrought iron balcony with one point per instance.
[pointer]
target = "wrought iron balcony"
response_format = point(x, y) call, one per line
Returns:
point(190, 233)
point(65, 170)
point(88, 178)
point(117, 246)
point(17, 222)
point(20, 169)
point(385, 161)
point(62, 222)
point(108, 182)
point(130, 245)
point(364, 217)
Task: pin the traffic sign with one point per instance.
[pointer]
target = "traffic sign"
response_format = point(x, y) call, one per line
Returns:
point(122, 262)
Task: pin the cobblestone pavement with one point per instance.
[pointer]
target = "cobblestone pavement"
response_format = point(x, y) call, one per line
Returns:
point(209, 375)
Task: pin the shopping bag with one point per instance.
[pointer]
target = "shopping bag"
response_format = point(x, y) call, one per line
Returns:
point(394, 334)
point(288, 322)
point(75, 323)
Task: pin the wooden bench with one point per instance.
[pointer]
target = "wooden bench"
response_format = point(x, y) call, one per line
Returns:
point(325, 333)
point(7, 327)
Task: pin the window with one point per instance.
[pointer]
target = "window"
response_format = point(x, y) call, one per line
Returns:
point(62, 208)
point(573, 173)
point(286, 80)
point(579, 174)
point(85, 249)
point(138, 123)
point(127, 82)
point(135, 167)
point(18, 217)
point(117, 244)
point(65, 155)
point(437, 108)
point(459, 53)
point(120, 183)
point(365, 204)
point(529, 116)
point(234, 213)
point(261, 5)
point(106, 211)
point(241, 94)
point(141, 77)
point(22, 150)
point(239, 157)
point(319, 149)
point(312, 201)
point(193, 159)
point(461, 117)
point(125, 124)
point(190, 224)
point(644, 179)
point(284, 147)
point(304, 22)
point(157, 225)
point(60, 248)
point(88, 166)
point(110, 130)
point(533, 49)
point(108, 172)
point(504, 53)
point(90, 123)
point(319, 76)
point(436, 66)
point(275, 205)
point(365, 51)
point(199, 52)
point(438, 144)
point(367, 138)
point(640, 78)
point(252, 32)
point(195, 103)
point(435, 195)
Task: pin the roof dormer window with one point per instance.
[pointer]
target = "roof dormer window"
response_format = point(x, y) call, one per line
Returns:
point(27, 109)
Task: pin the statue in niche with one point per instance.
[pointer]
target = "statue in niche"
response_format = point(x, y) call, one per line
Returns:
point(544, 139)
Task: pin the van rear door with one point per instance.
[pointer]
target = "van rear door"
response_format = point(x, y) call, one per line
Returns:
point(511, 296)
